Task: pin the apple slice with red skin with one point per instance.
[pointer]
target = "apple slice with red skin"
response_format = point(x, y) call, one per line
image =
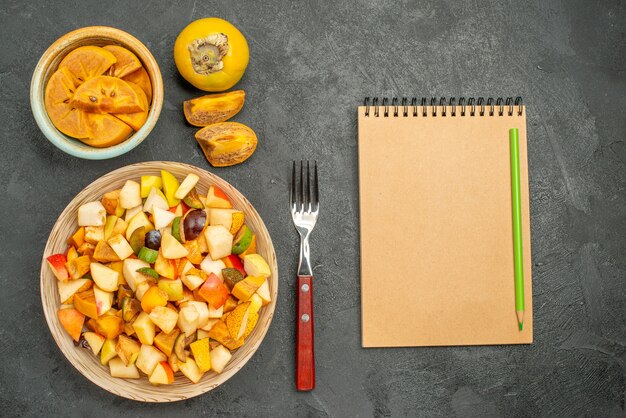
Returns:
point(235, 262)
point(216, 198)
point(57, 264)
point(214, 291)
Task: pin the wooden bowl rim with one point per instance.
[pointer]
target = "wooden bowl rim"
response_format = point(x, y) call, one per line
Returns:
point(131, 386)
point(63, 46)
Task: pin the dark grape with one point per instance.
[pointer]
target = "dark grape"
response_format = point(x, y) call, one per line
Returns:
point(153, 239)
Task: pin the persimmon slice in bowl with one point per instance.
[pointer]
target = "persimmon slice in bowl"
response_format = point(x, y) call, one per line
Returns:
point(105, 130)
point(105, 94)
point(87, 62)
point(137, 119)
point(142, 79)
point(126, 63)
point(65, 116)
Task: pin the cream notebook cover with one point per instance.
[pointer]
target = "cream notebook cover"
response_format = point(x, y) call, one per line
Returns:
point(436, 224)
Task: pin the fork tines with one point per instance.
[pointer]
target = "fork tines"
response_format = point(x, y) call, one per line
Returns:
point(304, 198)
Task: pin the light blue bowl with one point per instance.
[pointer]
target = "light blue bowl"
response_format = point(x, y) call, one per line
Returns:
point(99, 36)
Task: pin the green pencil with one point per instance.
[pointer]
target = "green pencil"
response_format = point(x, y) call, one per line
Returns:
point(517, 227)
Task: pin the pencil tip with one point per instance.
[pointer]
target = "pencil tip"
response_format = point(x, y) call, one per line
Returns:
point(521, 325)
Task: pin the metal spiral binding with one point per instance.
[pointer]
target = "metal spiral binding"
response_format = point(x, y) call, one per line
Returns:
point(507, 105)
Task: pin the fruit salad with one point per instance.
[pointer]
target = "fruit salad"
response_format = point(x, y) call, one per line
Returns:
point(159, 280)
point(99, 95)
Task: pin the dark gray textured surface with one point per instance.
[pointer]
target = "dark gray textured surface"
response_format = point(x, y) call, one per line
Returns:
point(311, 65)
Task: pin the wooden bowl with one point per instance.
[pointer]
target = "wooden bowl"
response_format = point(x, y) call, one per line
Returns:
point(83, 359)
point(48, 63)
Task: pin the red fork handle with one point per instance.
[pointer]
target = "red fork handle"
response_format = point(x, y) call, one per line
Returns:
point(305, 356)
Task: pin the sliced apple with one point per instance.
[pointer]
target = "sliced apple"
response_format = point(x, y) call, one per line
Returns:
point(210, 324)
point(165, 318)
point(209, 265)
point(56, 262)
point(155, 199)
point(72, 320)
point(130, 213)
point(190, 370)
point(171, 248)
point(223, 217)
point(219, 240)
point(255, 303)
point(139, 220)
point(142, 289)
point(120, 245)
point(255, 265)
point(193, 278)
point(106, 278)
point(185, 187)
point(94, 340)
point(203, 311)
point(107, 353)
point(173, 288)
point(109, 225)
point(162, 217)
point(68, 288)
point(92, 214)
point(148, 359)
point(130, 195)
point(214, 291)
point(220, 356)
point(165, 267)
point(104, 300)
point(264, 293)
point(216, 313)
point(162, 374)
point(144, 328)
point(131, 275)
point(127, 349)
point(148, 182)
point(216, 198)
point(119, 369)
point(188, 320)
point(170, 186)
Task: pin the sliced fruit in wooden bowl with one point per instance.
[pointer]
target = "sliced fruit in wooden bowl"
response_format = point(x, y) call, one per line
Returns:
point(172, 313)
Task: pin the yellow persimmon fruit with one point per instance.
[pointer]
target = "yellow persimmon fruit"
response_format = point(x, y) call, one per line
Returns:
point(211, 54)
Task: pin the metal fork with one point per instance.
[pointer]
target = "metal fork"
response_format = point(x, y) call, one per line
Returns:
point(304, 210)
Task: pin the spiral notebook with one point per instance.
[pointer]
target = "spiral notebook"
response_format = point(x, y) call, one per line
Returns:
point(436, 223)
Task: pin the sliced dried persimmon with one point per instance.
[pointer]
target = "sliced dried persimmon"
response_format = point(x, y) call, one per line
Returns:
point(106, 94)
point(87, 62)
point(142, 79)
point(57, 99)
point(106, 130)
point(137, 119)
point(127, 62)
